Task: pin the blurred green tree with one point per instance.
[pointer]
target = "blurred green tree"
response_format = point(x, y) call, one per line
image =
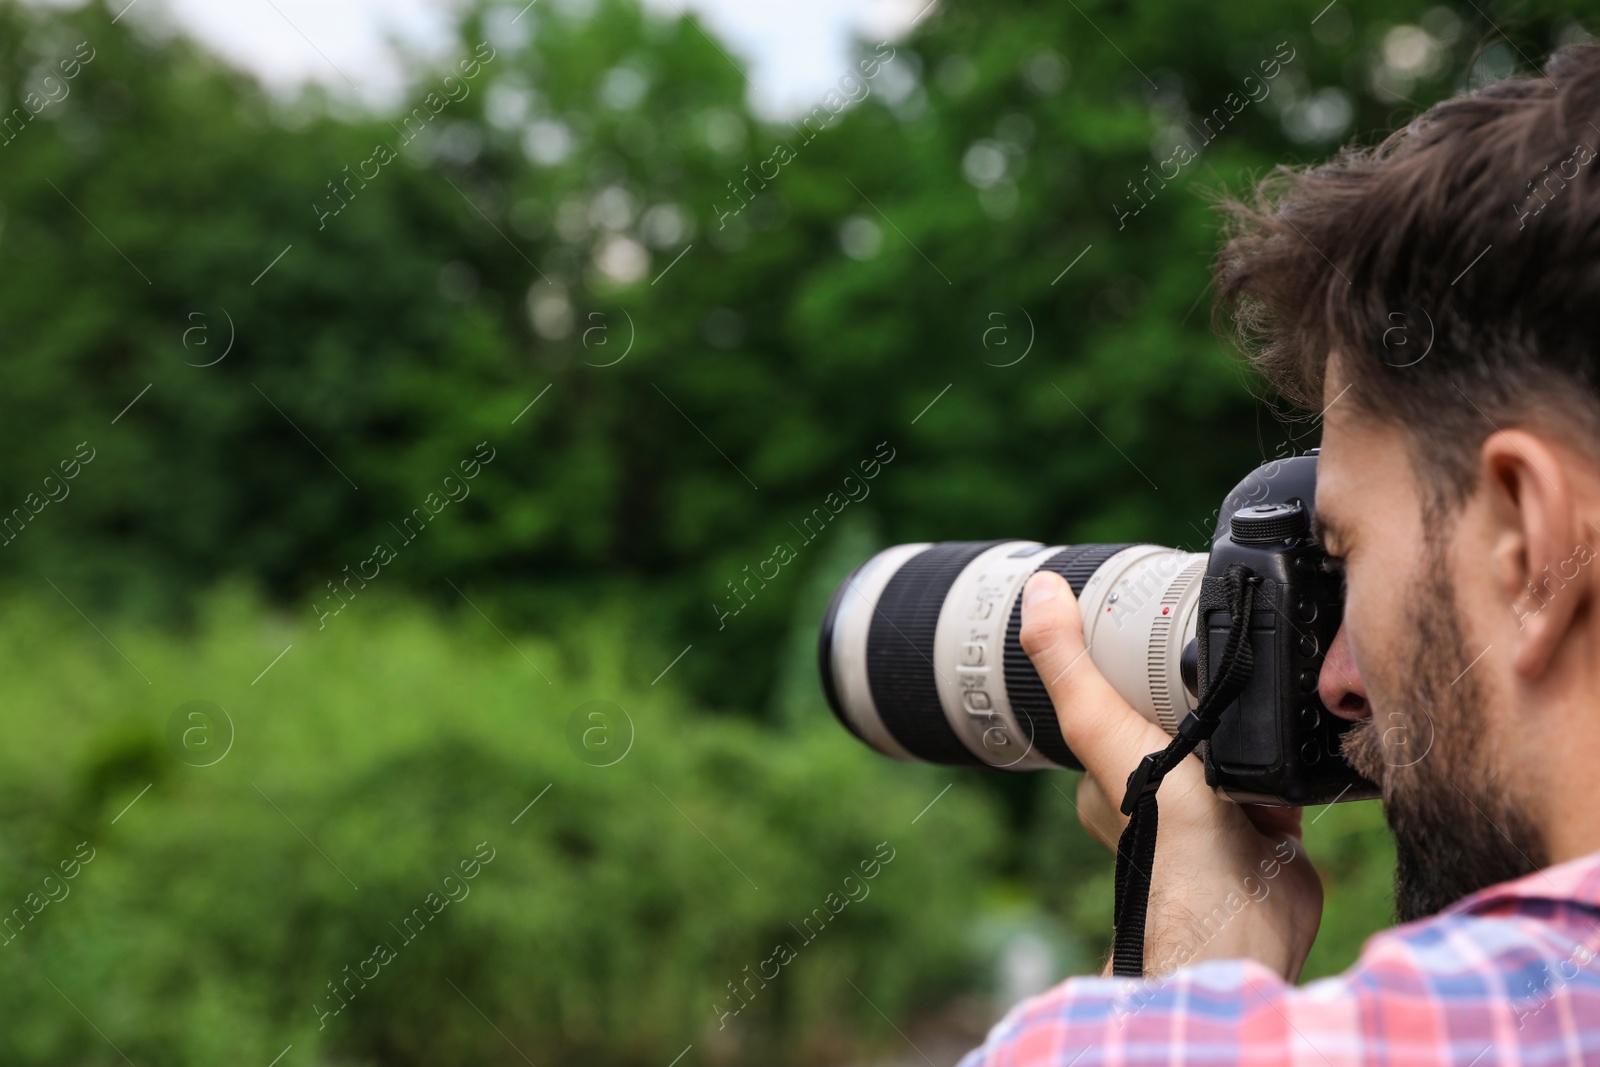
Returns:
point(715, 317)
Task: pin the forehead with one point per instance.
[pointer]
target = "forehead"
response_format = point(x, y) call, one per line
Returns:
point(1339, 423)
point(1336, 447)
point(1365, 463)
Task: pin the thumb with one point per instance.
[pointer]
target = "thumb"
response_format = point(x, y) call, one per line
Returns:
point(1103, 730)
point(1052, 636)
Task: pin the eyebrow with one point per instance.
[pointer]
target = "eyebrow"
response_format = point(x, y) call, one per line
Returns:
point(1326, 531)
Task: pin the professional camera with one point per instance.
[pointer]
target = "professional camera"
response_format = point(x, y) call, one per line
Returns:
point(920, 655)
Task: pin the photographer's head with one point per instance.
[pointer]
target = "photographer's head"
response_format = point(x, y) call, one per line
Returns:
point(1437, 299)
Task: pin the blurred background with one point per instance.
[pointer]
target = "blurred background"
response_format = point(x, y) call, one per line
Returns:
point(398, 401)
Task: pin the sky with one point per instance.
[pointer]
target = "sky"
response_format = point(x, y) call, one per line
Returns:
point(794, 51)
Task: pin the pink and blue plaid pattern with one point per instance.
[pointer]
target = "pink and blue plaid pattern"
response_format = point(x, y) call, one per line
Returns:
point(1505, 978)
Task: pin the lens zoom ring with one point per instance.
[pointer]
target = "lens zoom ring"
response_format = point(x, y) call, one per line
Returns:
point(900, 652)
point(1030, 702)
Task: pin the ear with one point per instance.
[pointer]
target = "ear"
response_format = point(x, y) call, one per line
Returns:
point(1541, 545)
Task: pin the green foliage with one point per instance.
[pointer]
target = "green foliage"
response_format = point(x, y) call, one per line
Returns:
point(380, 754)
point(523, 240)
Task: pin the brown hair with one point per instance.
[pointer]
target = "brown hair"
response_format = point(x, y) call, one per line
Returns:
point(1454, 269)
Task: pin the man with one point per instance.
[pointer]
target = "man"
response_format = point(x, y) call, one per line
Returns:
point(1437, 299)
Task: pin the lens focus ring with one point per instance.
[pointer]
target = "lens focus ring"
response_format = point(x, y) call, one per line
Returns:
point(1030, 701)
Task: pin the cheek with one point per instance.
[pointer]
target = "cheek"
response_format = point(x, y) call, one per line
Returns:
point(1379, 611)
point(1486, 615)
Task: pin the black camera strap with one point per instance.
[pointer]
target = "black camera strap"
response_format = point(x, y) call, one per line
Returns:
point(1136, 851)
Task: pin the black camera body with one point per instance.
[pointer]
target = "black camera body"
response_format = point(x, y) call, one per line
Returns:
point(1276, 744)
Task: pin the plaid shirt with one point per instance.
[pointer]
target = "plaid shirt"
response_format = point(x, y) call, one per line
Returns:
point(1503, 978)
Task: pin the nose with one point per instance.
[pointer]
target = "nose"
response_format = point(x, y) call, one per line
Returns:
point(1340, 685)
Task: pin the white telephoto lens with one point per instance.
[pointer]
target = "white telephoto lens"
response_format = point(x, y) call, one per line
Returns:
point(921, 657)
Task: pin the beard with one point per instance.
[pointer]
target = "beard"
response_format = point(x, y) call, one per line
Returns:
point(1457, 827)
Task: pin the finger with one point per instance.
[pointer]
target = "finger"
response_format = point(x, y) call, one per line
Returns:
point(1273, 820)
point(1103, 821)
point(1103, 730)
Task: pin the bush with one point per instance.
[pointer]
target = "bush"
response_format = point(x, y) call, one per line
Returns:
point(393, 755)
